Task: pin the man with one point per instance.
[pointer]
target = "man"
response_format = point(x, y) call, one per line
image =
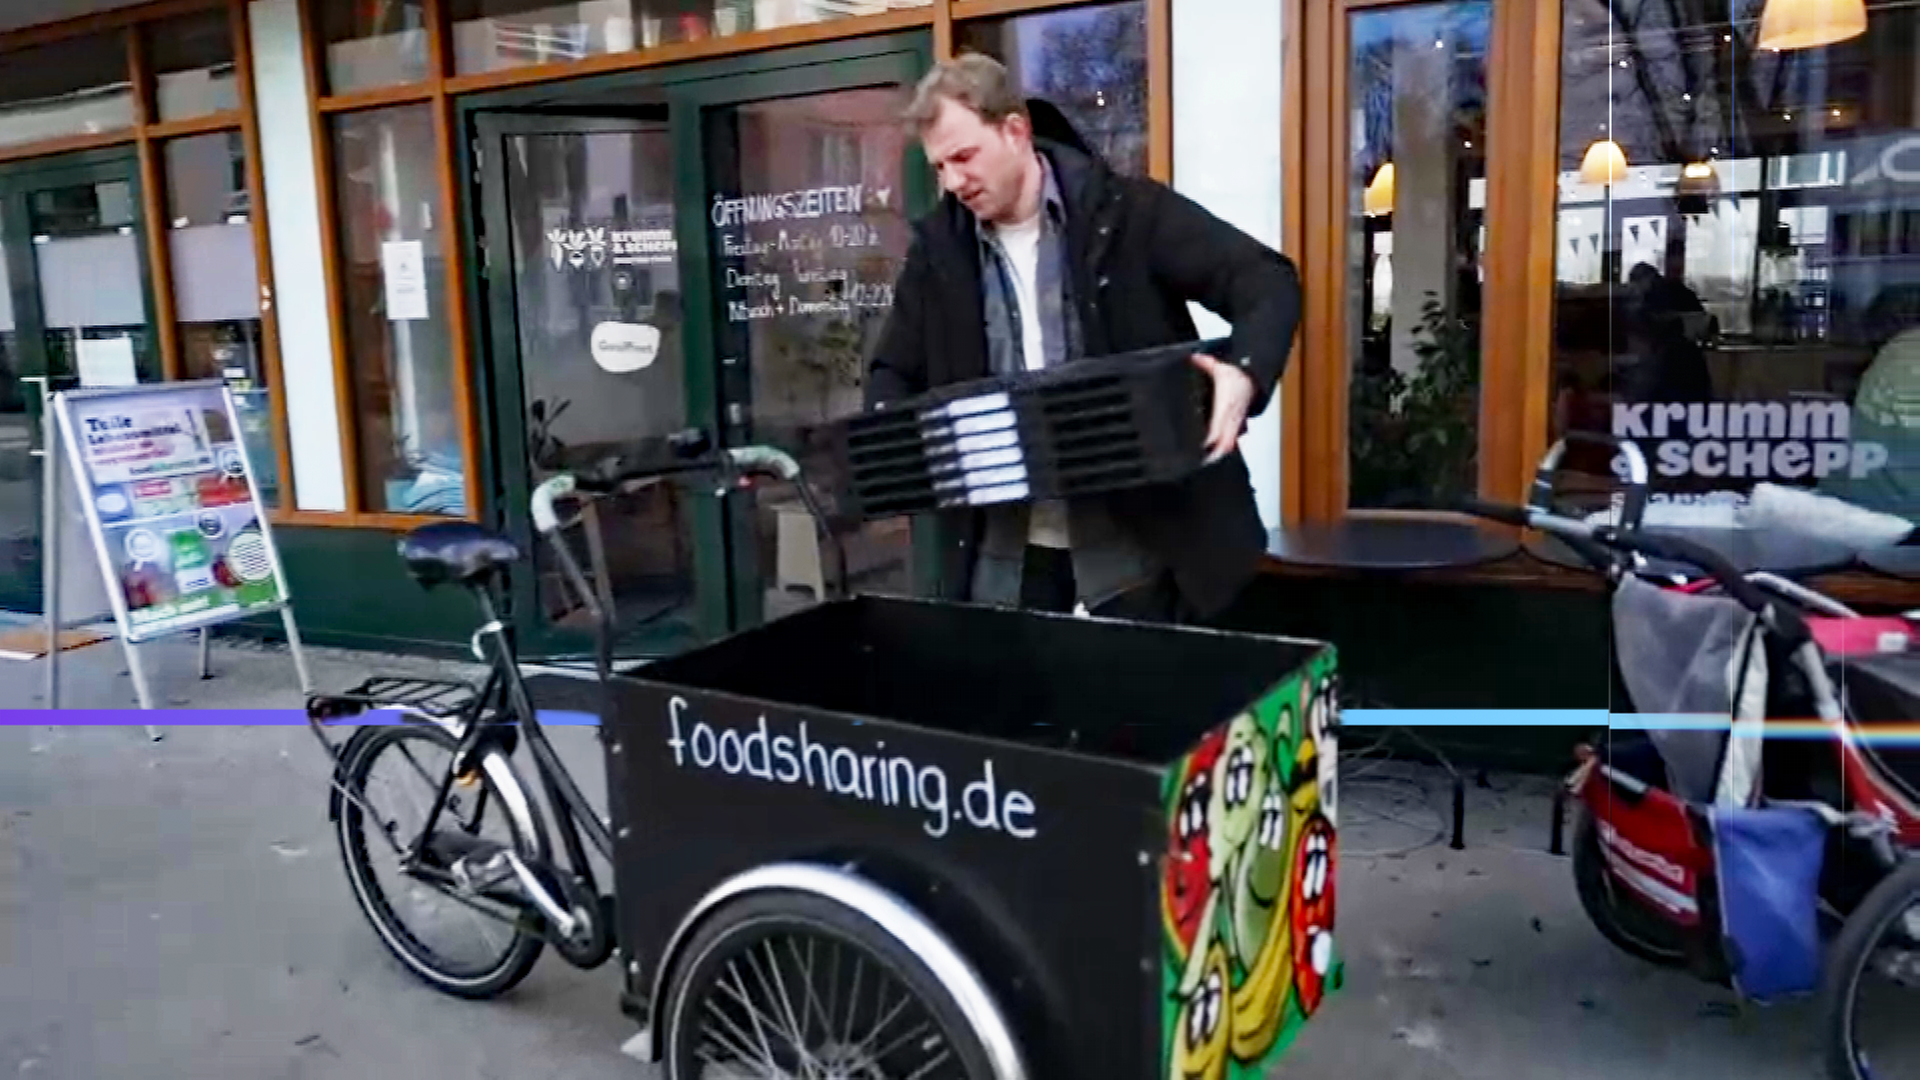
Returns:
point(1039, 254)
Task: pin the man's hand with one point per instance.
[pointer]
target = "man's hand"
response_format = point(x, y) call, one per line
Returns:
point(1232, 395)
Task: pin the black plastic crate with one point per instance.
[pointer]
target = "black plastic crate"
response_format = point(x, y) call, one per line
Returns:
point(1090, 427)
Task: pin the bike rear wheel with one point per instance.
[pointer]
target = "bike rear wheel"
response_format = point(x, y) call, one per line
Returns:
point(395, 771)
point(1871, 990)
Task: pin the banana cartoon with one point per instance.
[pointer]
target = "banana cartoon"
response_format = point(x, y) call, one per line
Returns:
point(1200, 1029)
point(1239, 777)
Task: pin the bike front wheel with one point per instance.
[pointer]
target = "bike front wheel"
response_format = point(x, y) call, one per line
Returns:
point(470, 946)
point(788, 986)
point(1871, 990)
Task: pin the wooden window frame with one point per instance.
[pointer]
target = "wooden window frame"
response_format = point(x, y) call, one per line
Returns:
point(442, 87)
point(1522, 126)
point(149, 136)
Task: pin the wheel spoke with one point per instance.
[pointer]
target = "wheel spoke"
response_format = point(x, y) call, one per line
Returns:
point(794, 1027)
point(742, 1049)
point(813, 1006)
point(926, 1070)
point(746, 999)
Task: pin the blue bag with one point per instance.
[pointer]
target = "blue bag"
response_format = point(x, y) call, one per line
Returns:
point(1769, 863)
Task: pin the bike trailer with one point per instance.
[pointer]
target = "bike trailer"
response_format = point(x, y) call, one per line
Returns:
point(1114, 841)
point(1704, 816)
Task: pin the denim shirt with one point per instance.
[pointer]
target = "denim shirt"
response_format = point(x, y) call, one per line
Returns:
point(1105, 562)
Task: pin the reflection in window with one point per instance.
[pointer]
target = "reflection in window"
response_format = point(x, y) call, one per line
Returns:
point(92, 276)
point(1090, 62)
point(193, 69)
point(373, 45)
point(216, 284)
point(78, 86)
point(395, 289)
point(1417, 203)
point(1739, 239)
point(495, 35)
point(801, 307)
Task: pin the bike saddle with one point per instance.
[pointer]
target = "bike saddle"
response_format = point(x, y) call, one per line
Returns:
point(455, 551)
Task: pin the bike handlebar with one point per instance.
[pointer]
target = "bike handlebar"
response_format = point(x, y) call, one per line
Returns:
point(617, 469)
point(1596, 542)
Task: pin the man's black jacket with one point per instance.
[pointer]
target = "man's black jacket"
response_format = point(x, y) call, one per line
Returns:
point(1138, 252)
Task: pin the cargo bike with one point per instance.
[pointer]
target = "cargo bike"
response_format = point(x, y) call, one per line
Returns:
point(880, 839)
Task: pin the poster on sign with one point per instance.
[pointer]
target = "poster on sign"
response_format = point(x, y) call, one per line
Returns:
point(171, 505)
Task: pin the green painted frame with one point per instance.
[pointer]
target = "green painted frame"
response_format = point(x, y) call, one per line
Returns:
point(18, 182)
point(723, 573)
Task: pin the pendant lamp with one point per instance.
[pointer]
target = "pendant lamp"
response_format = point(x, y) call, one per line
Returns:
point(1809, 24)
point(1378, 199)
point(1699, 178)
point(1605, 163)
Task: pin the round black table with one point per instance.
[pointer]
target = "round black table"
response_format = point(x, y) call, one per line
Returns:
point(1749, 550)
point(1390, 544)
point(1900, 562)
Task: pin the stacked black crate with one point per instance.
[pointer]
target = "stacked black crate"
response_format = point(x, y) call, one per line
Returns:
point(1087, 428)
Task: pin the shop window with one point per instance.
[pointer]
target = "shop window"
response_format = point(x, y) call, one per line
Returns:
point(1738, 254)
point(495, 35)
point(373, 44)
point(79, 86)
point(216, 284)
point(1416, 202)
point(93, 302)
point(394, 284)
point(193, 68)
point(1090, 62)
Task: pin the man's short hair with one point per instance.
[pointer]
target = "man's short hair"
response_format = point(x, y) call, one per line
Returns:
point(973, 81)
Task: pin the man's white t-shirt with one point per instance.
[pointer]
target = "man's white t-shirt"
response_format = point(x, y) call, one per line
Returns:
point(1048, 527)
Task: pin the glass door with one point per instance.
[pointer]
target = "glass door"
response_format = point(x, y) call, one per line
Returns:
point(806, 184)
point(589, 351)
point(74, 309)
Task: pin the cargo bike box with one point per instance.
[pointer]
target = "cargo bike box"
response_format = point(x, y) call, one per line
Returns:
point(1096, 850)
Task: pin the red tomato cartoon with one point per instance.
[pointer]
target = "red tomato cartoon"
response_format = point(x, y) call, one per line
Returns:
point(1312, 917)
point(1189, 856)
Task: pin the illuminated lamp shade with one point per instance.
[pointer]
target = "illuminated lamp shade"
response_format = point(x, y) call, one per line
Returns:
point(1699, 178)
point(1378, 199)
point(1605, 163)
point(1809, 24)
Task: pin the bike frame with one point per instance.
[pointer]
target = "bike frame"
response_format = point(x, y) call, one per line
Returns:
point(502, 709)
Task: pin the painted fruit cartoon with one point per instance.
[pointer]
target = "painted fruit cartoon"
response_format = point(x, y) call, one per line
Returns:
point(1312, 912)
point(1239, 777)
point(1200, 1028)
point(1187, 885)
point(1259, 1001)
point(1323, 721)
point(1260, 873)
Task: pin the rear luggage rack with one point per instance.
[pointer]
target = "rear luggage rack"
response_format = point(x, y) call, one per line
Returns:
point(438, 698)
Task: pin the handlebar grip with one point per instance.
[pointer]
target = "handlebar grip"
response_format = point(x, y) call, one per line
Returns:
point(1500, 512)
point(765, 459)
point(545, 520)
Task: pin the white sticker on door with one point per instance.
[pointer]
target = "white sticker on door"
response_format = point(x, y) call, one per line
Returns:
point(625, 347)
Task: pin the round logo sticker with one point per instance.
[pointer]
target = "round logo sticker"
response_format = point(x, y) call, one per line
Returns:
point(231, 464)
point(211, 525)
point(142, 546)
point(248, 557)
